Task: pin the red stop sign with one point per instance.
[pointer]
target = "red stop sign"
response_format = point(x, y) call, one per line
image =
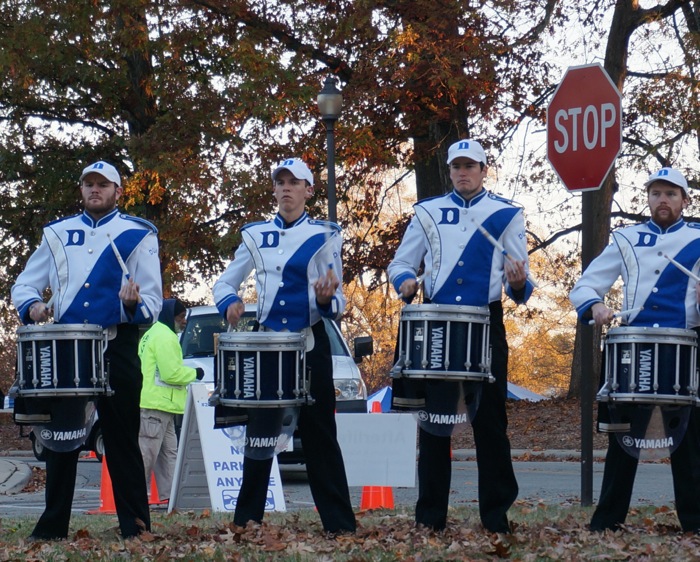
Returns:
point(584, 127)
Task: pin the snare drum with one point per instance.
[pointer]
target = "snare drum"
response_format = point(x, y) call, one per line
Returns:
point(438, 341)
point(262, 369)
point(650, 366)
point(61, 360)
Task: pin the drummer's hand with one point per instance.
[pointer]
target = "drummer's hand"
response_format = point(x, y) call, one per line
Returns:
point(515, 273)
point(601, 314)
point(38, 312)
point(325, 287)
point(130, 295)
point(408, 288)
point(234, 312)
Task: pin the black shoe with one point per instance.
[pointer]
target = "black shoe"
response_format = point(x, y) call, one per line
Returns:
point(430, 527)
point(37, 538)
point(603, 528)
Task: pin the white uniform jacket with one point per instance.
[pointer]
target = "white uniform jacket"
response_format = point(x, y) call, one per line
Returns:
point(288, 260)
point(636, 254)
point(461, 266)
point(76, 260)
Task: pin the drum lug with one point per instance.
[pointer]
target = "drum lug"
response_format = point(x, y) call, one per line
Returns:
point(397, 370)
point(214, 398)
point(108, 389)
point(604, 393)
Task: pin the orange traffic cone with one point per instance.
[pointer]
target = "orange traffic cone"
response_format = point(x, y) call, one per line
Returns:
point(106, 493)
point(153, 496)
point(375, 497)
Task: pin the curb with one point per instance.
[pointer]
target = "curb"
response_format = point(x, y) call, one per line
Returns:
point(14, 476)
point(531, 454)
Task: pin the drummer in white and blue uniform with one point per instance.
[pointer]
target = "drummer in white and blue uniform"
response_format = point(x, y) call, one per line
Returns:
point(669, 299)
point(462, 267)
point(297, 263)
point(79, 264)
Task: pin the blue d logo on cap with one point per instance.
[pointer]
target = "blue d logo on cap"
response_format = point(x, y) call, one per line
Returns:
point(463, 146)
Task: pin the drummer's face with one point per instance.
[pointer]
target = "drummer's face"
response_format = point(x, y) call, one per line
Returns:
point(99, 194)
point(291, 194)
point(467, 176)
point(666, 203)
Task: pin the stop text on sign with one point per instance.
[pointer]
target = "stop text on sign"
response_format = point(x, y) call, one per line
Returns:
point(588, 124)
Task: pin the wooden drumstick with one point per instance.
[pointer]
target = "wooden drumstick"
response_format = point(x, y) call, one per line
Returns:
point(683, 269)
point(125, 271)
point(51, 301)
point(500, 248)
point(621, 313)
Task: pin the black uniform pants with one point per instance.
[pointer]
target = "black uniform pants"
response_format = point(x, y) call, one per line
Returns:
point(621, 468)
point(498, 488)
point(120, 419)
point(324, 461)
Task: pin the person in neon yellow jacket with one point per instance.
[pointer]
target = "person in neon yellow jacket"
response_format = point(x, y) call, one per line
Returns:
point(163, 394)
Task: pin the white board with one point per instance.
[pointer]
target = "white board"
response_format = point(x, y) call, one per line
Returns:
point(209, 469)
point(378, 449)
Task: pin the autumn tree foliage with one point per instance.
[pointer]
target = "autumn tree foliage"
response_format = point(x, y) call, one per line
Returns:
point(541, 334)
point(194, 102)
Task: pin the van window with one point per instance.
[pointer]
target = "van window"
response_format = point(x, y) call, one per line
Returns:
point(198, 339)
point(337, 346)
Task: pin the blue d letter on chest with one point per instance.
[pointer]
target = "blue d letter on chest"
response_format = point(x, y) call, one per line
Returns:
point(646, 239)
point(449, 216)
point(270, 239)
point(75, 237)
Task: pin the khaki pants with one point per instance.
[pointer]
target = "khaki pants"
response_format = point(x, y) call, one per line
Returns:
point(158, 443)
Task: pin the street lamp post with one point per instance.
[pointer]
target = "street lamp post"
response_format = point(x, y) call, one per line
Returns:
point(330, 102)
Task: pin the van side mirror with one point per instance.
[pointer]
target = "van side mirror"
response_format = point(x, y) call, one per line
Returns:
point(363, 345)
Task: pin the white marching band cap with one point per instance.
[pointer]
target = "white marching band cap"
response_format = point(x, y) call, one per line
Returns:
point(105, 170)
point(297, 167)
point(669, 175)
point(466, 149)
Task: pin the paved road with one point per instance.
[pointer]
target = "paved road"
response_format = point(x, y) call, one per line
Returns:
point(555, 483)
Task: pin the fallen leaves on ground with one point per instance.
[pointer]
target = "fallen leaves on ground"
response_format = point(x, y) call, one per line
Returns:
point(540, 533)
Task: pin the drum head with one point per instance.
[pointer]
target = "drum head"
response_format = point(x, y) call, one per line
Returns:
point(448, 404)
point(267, 432)
point(655, 431)
point(71, 423)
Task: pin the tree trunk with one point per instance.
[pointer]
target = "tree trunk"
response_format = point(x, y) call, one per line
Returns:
point(432, 173)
